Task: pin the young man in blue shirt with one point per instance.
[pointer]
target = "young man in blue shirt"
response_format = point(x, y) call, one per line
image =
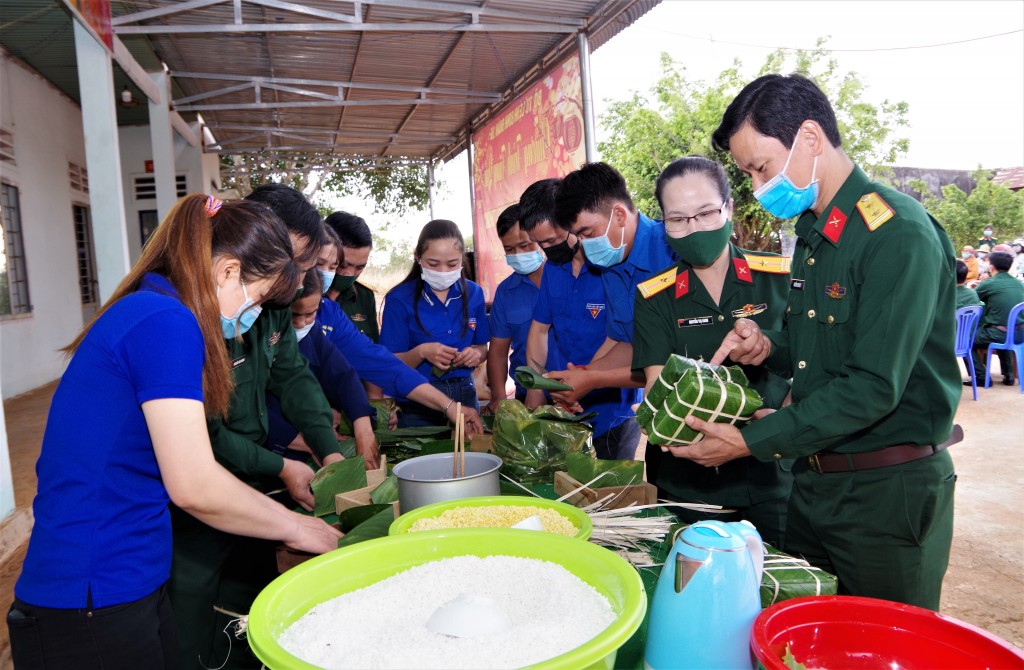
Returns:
point(512, 309)
point(594, 204)
point(573, 305)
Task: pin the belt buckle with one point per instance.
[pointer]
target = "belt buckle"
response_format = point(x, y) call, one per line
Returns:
point(814, 463)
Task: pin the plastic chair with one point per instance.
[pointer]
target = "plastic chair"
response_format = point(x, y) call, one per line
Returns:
point(967, 319)
point(1014, 342)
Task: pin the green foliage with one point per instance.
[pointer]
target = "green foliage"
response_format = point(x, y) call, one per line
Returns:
point(964, 216)
point(678, 115)
point(394, 188)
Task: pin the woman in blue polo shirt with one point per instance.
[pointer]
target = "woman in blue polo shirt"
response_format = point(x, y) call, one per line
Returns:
point(435, 321)
point(127, 434)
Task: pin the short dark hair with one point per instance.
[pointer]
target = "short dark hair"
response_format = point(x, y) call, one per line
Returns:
point(508, 219)
point(595, 187)
point(537, 203)
point(298, 214)
point(1000, 260)
point(775, 105)
point(961, 271)
point(693, 164)
point(351, 229)
point(312, 283)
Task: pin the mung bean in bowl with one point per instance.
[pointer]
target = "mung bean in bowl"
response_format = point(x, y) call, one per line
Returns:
point(495, 512)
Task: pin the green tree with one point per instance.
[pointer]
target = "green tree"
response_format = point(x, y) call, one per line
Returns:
point(965, 215)
point(679, 114)
point(394, 188)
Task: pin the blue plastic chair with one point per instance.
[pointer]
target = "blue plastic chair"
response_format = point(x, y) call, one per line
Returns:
point(1014, 342)
point(967, 319)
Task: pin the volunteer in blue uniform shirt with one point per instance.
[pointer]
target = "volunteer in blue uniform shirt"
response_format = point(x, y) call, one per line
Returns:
point(512, 309)
point(593, 202)
point(435, 321)
point(337, 378)
point(127, 434)
point(573, 309)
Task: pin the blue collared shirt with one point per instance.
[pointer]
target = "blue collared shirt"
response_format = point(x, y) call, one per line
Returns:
point(650, 255)
point(438, 321)
point(372, 361)
point(577, 311)
point(512, 314)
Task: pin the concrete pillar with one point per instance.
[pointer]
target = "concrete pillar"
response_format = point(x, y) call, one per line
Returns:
point(430, 187)
point(6, 481)
point(102, 158)
point(161, 134)
point(589, 134)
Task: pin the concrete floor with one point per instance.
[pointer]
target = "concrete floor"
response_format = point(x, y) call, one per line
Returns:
point(984, 585)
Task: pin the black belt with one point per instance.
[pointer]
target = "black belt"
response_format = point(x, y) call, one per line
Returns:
point(898, 454)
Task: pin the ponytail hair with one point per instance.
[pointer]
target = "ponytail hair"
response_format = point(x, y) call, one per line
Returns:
point(438, 229)
point(183, 248)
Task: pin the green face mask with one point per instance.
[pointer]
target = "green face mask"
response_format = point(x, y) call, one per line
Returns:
point(701, 248)
point(343, 283)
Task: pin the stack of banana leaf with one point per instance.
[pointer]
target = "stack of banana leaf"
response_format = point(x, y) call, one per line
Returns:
point(688, 387)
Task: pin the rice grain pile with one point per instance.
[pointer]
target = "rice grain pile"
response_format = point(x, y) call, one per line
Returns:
point(496, 516)
point(384, 625)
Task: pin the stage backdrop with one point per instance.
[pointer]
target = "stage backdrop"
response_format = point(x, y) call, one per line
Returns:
point(540, 135)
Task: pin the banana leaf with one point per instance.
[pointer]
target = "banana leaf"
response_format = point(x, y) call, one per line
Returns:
point(532, 379)
point(348, 447)
point(439, 371)
point(374, 527)
point(706, 398)
point(380, 421)
point(675, 367)
point(534, 445)
point(354, 516)
point(386, 492)
point(395, 436)
point(583, 469)
point(339, 477)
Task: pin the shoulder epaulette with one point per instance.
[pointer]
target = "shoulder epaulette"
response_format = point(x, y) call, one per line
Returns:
point(773, 264)
point(657, 284)
point(874, 210)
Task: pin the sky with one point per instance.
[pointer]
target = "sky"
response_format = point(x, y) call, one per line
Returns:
point(966, 98)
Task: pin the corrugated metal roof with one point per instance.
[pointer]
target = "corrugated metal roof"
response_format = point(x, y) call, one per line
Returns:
point(351, 78)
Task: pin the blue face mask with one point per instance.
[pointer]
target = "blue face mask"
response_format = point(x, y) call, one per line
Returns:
point(328, 278)
point(243, 318)
point(782, 198)
point(599, 250)
point(525, 263)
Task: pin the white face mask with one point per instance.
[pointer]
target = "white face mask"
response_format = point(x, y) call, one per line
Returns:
point(440, 281)
point(302, 332)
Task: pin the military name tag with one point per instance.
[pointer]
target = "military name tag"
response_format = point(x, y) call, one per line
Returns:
point(695, 321)
point(238, 361)
point(797, 284)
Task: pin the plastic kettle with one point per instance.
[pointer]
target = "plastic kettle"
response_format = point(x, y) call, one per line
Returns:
point(706, 599)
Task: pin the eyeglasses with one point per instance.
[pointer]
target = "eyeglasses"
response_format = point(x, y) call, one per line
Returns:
point(706, 219)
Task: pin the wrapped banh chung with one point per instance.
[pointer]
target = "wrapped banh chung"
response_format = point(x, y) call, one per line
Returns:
point(687, 386)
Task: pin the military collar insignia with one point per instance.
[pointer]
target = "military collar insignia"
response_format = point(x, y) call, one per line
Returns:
point(835, 291)
point(595, 308)
point(874, 210)
point(834, 225)
point(749, 310)
point(742, 269)
point(682, 283)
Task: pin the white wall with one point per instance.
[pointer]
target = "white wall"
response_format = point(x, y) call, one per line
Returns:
point(47, 129)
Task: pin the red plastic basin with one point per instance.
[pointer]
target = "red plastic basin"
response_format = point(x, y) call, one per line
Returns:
point(852, 632)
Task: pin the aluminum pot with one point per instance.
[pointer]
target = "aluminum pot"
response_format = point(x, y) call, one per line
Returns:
point(425, 480)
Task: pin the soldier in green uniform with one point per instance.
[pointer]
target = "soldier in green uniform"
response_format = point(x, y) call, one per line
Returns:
point(355, 298)
point(868, 338)
point(687, 310)
point(211, 568)
point(1000, 293)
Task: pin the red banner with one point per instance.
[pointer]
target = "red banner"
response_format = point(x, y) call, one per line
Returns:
point(96, 15)
point(540, 135)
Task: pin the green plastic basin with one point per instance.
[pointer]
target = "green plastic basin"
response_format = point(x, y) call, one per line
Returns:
point(575, 515)
point(320, 579)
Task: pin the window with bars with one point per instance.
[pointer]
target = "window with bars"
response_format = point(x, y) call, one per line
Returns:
point(145, 187)
point(79, 177)
point(13, 274)
point(87, 282)
point(7, 146)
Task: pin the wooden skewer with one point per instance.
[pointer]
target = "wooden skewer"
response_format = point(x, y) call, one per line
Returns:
point(455, 447)
point(462, 445)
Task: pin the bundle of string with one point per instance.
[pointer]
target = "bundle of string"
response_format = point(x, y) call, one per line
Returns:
point(459, 452)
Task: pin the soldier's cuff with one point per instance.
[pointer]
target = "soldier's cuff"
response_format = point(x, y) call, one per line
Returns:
point(767, 438)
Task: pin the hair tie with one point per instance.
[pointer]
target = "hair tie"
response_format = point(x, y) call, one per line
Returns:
point(213, 206)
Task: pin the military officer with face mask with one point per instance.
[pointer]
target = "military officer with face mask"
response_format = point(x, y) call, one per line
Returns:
point(687, 310)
